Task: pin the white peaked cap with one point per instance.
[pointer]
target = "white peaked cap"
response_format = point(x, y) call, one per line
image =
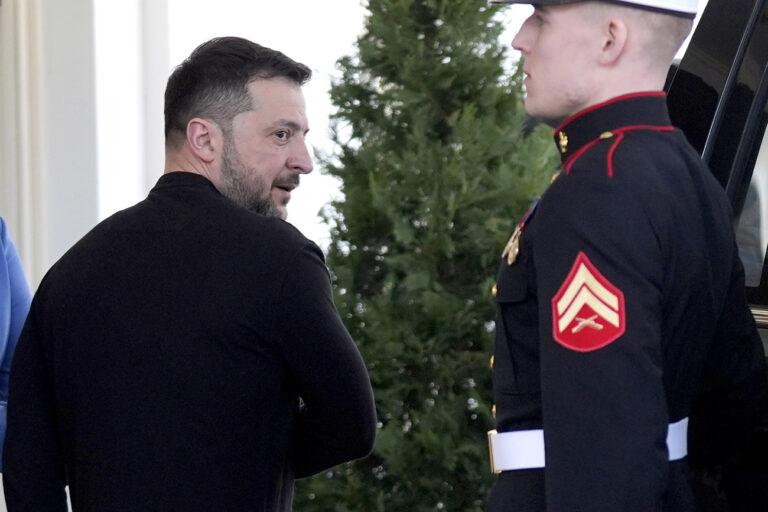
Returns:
point(683, 7)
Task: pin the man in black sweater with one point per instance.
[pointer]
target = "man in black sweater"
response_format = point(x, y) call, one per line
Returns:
point(186, 354)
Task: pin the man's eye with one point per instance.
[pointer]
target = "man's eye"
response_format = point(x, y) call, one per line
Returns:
point(282, 134)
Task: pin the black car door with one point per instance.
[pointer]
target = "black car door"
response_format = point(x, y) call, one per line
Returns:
point(718, 96)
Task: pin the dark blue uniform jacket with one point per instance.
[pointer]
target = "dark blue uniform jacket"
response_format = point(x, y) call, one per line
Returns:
point(624, 312)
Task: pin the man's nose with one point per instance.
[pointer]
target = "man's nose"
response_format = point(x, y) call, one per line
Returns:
point(516, 43)
point(300, 159)
point(521, 40)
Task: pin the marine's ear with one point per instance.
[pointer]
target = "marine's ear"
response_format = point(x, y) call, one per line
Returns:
point(614, 40)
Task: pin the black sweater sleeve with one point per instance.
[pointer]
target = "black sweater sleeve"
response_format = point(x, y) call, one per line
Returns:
point(337, 421)
point(32, 457)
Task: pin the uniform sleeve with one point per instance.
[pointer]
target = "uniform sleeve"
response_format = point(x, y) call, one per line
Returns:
point(16, 293)
point(34, 475)
point(337, 421)
point(599, 274)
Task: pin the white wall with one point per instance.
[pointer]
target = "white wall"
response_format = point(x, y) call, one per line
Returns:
point(68, 120)
point(131, 70)
point(20, 111)
point(48, 167)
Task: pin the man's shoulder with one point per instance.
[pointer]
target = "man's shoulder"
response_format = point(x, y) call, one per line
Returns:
point(268, 229)
point(148, 232)
point(653, 172)
point(637, 156)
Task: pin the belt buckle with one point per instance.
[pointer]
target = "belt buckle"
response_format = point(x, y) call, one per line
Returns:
point(491, 434)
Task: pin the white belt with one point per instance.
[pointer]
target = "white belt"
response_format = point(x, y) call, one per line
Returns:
point(524, 449)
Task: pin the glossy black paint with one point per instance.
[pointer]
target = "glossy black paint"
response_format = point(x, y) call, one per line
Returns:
point(719, 97)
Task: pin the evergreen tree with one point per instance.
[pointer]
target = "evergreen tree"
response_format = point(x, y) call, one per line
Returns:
point(436, 170)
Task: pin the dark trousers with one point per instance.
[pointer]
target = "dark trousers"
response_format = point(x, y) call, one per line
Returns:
point(518, 491)
point(523, 491)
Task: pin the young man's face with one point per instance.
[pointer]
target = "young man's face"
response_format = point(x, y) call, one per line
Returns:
point(558, 44)
point(267, 152)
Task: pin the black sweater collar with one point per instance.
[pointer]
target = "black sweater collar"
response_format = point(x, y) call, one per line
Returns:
point(184, 179)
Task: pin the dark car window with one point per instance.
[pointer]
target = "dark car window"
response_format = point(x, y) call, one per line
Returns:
point(701, 99)
point(719, 98)
point(747, 185)
point(752, 224)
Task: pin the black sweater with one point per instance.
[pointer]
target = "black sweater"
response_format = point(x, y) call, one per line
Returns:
point(163, 360)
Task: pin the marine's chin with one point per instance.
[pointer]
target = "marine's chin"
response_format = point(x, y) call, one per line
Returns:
point(543, 116)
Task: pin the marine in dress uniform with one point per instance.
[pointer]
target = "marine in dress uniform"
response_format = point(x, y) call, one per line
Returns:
point(624, 344)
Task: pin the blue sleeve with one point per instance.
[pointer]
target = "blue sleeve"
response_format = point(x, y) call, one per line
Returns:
point(15, 299)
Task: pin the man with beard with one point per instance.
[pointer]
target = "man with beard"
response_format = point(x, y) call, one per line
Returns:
point(625, 351)
point(186, 354)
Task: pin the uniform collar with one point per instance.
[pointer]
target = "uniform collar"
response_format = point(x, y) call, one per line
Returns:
point(647, 109)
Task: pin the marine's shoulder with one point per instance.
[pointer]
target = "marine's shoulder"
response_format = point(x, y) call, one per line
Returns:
point(626, 150)
point(631, 128)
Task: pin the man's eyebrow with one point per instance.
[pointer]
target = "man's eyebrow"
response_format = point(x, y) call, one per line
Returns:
point(293, 125)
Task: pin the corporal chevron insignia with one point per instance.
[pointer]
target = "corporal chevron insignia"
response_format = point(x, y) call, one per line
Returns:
point(588, 311)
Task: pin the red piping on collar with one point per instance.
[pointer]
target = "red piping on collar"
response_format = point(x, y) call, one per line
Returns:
point(572, 159)
point(647, 94)
point(568, 164)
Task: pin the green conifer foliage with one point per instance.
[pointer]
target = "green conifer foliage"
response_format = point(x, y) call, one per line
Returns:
point(435, 170)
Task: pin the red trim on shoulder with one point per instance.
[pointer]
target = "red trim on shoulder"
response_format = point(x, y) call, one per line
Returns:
point(621, 131)
point(611, 151)
point(568, 164)
point(612, 100)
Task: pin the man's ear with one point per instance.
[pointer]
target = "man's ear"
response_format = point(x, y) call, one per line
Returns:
point(204, 139)
point(614, 41)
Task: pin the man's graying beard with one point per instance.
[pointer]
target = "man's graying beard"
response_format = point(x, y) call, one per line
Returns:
point(250, 194)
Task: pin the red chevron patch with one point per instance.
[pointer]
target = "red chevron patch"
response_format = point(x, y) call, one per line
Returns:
point(588, 310)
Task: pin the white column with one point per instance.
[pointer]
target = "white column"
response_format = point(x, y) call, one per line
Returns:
point(156, 67)
point(21, 133)
point(48, 130)
point(69, 151)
